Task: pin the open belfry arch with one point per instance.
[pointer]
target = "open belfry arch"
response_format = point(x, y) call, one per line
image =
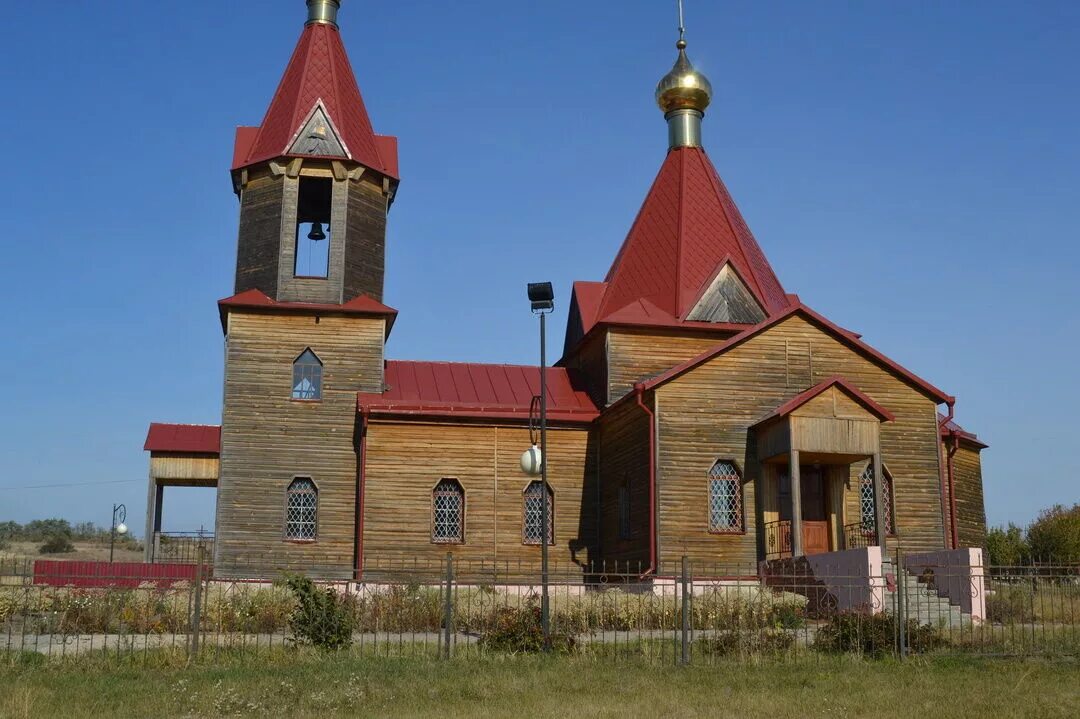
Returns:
point(699, 408)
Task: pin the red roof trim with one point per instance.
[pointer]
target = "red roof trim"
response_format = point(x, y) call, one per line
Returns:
point(183, 438)
point(258, 300)
point(848, 388)
point(844, 335)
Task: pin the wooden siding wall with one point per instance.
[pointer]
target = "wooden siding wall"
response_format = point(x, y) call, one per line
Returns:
point(365, 239)
point(406, 460)
point(623, 439)
point(591, 361)
point(705, 415)
point(260, 229)
point(970, 506)
point(199, 470)
point(635, 355)
point(268, 439)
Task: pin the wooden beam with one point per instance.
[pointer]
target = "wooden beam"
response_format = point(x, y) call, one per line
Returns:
point(796, 504)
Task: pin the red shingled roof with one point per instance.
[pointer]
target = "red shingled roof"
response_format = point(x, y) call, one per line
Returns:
point(687, 227)
point(949, 429)
point(489, 391)
point(319, 72)
point(183, 438)
point(847, 387)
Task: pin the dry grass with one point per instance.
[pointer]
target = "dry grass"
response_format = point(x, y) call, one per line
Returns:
point(84, 552)
point(313, 686)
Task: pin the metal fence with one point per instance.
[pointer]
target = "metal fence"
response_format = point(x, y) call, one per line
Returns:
point(684, 613)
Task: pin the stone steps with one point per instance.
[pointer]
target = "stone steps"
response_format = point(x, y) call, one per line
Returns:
point(921, 602)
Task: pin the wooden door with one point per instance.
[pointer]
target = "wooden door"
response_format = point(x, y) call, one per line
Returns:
point(814, 510)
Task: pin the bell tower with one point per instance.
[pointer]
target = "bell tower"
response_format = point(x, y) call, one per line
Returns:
point(315, 182)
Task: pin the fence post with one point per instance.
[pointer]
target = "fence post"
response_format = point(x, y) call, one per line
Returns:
point(448, 607)
point(196, 619)
point(901, 605)
point(684, 659)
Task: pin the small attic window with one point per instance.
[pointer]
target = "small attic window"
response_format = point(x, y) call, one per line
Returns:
point(313, 239)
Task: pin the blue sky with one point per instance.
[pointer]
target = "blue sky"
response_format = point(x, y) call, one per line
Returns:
point(911, 169)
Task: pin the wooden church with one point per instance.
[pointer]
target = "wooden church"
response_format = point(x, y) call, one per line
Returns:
point(699, 408)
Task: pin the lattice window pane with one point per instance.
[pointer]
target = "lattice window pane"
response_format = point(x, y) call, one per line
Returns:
point(725, 498)
point(301, 510)
point(866, 501)
point(307, 377)
point(532, 524)
point(448, 512)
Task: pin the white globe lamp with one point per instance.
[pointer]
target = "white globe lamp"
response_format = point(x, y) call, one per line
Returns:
point(532, 461)
point(121, 529)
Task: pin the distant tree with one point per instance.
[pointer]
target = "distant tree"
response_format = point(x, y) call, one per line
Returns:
point(1056, 534)
point(57, 544)
point(1006, 546)
point(42, 529)
point(88, 531)
point(10, 530)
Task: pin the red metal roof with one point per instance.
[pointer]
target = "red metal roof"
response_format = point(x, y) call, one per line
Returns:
point(951, 428)
point(847, 337)
point(687, 227)
point(847, 387)
point(319, 72)
point(491, 391)
point(183, 438)
point(258, 300)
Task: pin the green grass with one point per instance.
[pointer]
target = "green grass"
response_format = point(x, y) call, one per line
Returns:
point(310, 685)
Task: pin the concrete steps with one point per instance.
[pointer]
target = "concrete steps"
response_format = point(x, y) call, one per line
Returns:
point(920, 601)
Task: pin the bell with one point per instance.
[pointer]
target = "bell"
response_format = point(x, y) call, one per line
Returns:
point(316, 234)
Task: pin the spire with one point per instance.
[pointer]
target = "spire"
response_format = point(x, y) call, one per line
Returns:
point(683, 94)
point(323, 11)
point(317, 110)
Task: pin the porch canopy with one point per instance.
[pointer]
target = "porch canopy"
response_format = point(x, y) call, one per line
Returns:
point(181, 455)
point(831, 423)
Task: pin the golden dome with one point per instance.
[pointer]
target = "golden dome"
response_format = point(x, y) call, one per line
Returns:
point(684, 88)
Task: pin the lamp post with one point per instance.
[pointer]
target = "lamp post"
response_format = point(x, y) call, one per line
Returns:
point(119, 516)
point(542, 297)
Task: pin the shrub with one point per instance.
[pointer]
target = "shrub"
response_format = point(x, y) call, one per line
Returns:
point(726, 644)
point(874, 634)
point(57, 544)
point(1055, 535)
point(322, 617)
point(1006, 546)
point(1010, 605)
point(519, 631)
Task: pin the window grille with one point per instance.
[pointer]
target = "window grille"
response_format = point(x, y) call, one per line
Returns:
point(532, 525)
point(302, 510)
point(307, 377)
point(448, 512)
point(725, 499)
point(866, 501)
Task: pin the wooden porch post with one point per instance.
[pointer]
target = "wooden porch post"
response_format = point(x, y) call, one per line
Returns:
point(879, 505)
point(796, 504)
point(153, 516)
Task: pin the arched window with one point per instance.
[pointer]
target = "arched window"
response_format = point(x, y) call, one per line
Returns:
point(307, 377)
point(531, 524)
point(302, 510)
point(866, 501)
point(448, 512)
point(725, 499)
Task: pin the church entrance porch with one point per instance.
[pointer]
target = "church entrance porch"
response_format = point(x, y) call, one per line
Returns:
point(806, 447)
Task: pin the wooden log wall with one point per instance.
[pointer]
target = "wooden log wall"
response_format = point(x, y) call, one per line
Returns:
point(705, 415)
point(260, 232)
point(623, 439)
point(268, 439)
point(637, 355)
point(406, 460)
point(970, 506)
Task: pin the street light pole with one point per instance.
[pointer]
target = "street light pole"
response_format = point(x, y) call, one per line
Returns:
point(542, 297)
point(117, 526)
